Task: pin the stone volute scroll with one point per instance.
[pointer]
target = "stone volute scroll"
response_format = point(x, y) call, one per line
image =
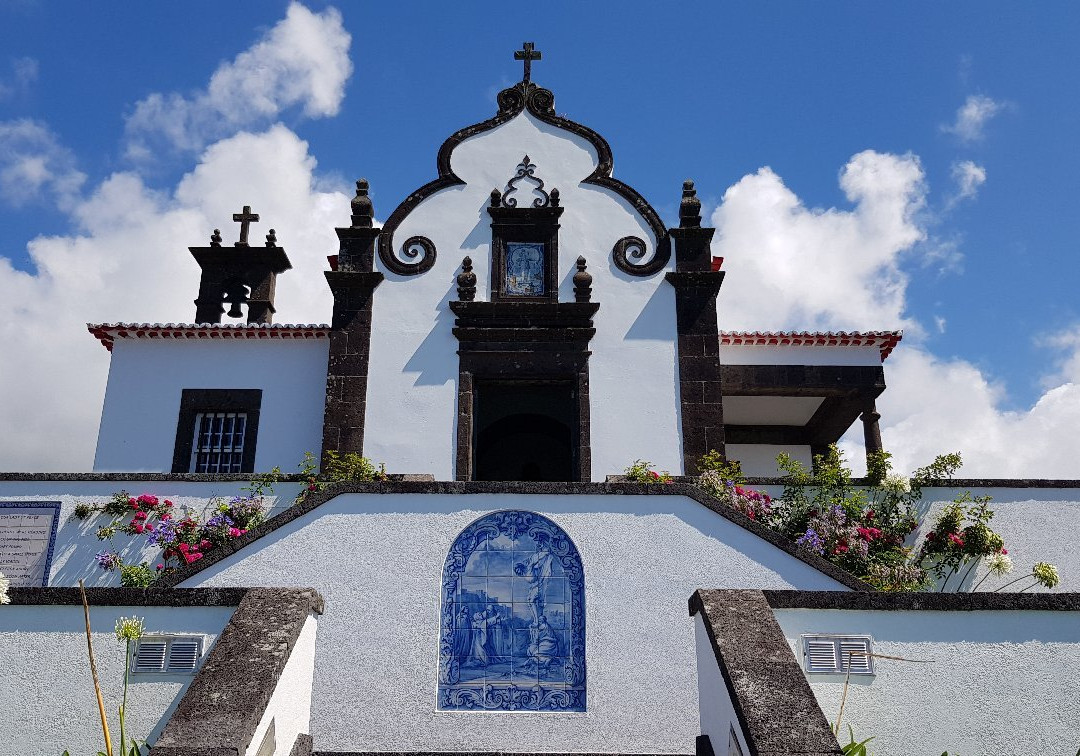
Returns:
point(239, 276)
point(633, 255)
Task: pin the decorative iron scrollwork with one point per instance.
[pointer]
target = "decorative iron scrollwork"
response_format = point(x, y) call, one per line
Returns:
point(414, 247)
point(525, 169)
point(631, 248)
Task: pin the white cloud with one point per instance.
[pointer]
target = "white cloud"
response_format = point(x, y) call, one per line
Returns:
point(935, 405)
point(302, 61)
point(24, 72)
point(973, 116)
point(129, 261)
point(35, 166)
point(968, 176)
point(791, 267)
point(833, 269)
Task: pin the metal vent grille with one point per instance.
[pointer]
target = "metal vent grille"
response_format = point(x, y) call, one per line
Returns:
point(149, 656)
point(832, 654)
point(166, 653)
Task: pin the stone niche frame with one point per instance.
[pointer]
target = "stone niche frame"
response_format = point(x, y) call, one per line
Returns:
point(194, 401)
point(528, 342)
point(539, 225)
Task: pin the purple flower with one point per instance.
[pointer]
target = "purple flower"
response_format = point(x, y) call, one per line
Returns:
point(218, 520)
point(811, 541)
point(108, 560)
point(163, 535)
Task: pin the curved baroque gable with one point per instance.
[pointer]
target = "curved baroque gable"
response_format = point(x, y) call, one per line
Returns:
point(513, 617)
point(418, 253)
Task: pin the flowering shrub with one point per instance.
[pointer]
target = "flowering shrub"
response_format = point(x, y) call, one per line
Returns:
point(182, 538)
point(642, 472)
point(866, 530)
point(339, 468)
point(756, 505)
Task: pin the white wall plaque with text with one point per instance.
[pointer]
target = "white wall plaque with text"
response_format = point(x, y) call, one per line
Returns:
point(27, 537)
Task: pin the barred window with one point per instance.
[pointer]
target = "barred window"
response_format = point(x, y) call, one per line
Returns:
point(219, 442)
point(216, 431)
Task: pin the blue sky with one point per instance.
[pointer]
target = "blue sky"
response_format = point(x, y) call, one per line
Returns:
point(975, 101)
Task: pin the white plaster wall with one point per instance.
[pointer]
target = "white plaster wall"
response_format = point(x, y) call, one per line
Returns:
point(146, 377)
point(412, 387)
point(47, 701)
point(76, 540)
point(378, 562)
point(759, 460)
point(716, 712)
point(1000, 682)
point(752, 354)
point(289, 707)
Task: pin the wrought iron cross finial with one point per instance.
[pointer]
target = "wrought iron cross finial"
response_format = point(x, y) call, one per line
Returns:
point(245, 219)
point(527, 54)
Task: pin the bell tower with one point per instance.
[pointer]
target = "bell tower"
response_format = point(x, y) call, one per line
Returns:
point(238, 276)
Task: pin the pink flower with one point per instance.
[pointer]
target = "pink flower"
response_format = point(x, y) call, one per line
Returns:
point(183, 547)
point(139, 528)
point(1005, 552)
point(234, 532)
point(160, 566)
point(956, 539)
point(140, 515)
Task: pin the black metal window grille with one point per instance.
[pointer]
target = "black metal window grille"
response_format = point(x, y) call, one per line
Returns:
point(219, 442)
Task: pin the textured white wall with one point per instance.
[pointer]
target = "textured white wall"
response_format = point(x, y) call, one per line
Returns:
point(289, 707)
point(142, 397)
point(753, 354)
point(412, 387)
point(760, 459)
point(76, 540)
point(1000, 682)
point(716, 712)
point(47, 701)
point(378, 562)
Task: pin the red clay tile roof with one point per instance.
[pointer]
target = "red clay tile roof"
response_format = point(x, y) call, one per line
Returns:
point(107, 333)
point(885, 341)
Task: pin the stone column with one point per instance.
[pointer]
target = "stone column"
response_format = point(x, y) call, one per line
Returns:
point(871, 430)
point(353, 284)
point(696, 288)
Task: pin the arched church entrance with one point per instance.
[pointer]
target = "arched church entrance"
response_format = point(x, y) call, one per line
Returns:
point(525, 431)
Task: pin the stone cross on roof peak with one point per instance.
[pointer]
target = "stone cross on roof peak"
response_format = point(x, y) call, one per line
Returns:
point(527, 54)
point(245, 218)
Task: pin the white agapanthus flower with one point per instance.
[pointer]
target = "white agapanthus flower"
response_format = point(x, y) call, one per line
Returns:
point(129, 628)
point(999, 564)
point(4, 585)
point(897, 484)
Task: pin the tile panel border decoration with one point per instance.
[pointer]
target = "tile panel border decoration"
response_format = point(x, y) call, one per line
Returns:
point(54, 506)
point(508, 628)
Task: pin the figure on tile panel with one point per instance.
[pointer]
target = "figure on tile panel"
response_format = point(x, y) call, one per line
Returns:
point(513, 617)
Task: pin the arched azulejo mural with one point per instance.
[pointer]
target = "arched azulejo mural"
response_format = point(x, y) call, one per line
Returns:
point(513, 617)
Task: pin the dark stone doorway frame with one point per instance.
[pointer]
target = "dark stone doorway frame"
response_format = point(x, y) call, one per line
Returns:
point(523, 343)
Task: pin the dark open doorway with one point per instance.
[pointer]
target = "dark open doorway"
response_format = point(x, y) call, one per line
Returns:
point(525, 430)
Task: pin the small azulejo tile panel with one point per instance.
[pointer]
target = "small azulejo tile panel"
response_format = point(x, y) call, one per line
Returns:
point(513, 617)
point(525, 269)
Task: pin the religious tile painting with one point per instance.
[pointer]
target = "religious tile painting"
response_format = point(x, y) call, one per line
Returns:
point(513, 617)
point(524, 269)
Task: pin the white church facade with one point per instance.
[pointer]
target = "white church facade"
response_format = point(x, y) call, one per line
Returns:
point(516, 333)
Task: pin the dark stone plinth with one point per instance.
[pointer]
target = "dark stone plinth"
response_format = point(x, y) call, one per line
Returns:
point(222, 708)
point(773, 701)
